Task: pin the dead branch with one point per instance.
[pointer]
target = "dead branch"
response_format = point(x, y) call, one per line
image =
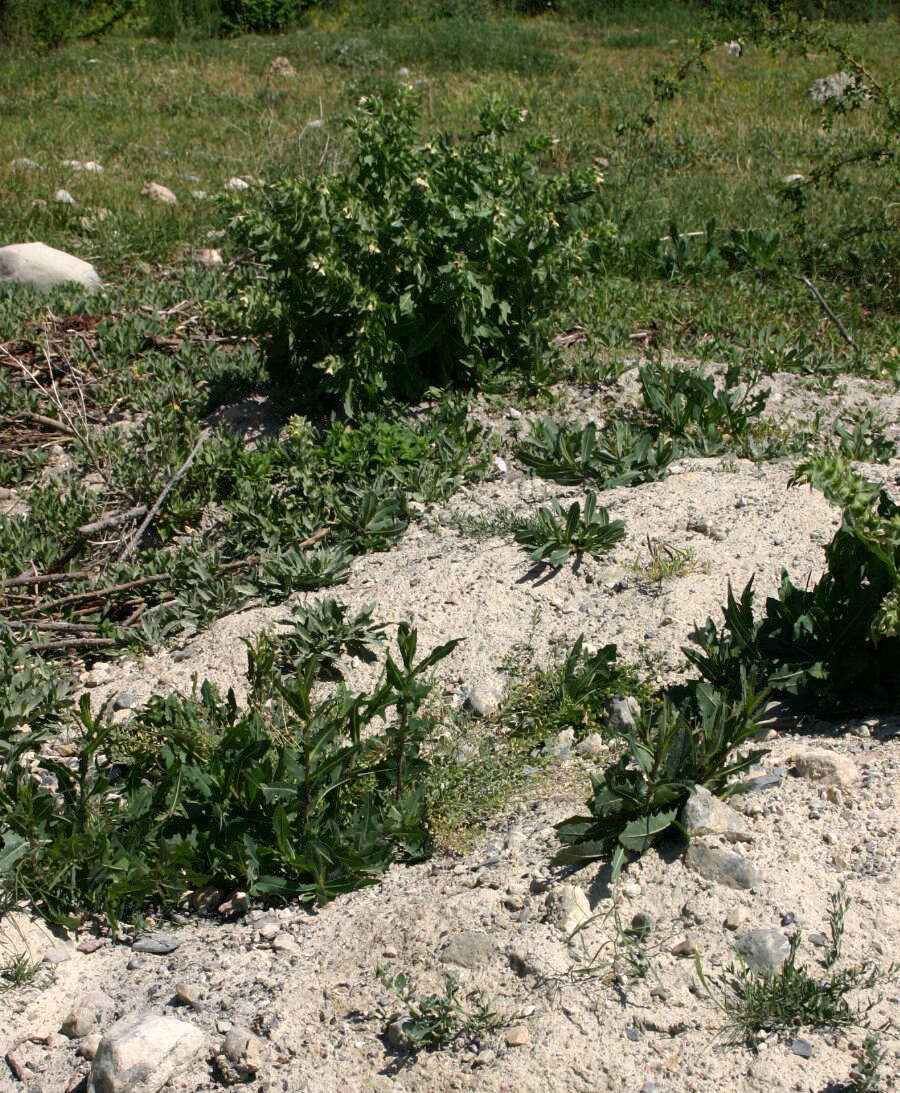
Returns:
point(111, 520)
point(96, 594)
point(831, 315)
point(43, 578)
point(157, 504)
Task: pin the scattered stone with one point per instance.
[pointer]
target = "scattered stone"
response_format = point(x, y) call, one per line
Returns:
point(124, 700)
point(157, 192)
point(396, 1032)
point(24, 163)
point(45, 267)
point(633, 1034)
point(79, 1022)
point(592, 747)
point(733, 919)
point(87, 1049)
point(237, 904)
point(642, 923)
point(826, 768)
point(722, 866)
point(819, 940)
point(833, 86)
point(281, 67)
point(483, 700)
point(468, 949)
point(241, 1056)
point(185, 653)
point(772, 780)
point(567, 907)
point(89, 166)
point(661, 993)
point(208, 256)
point(622, 714)
point(764, 950)
point(705, 814)
point(563, 743)
point(284, 943)
point(157, 944)
point(517, 1036)
point(803, 1048)
point(141, 1052)
point(236, 183)
point(63, 197)
point(686, 947)
point(189, 994)
point(134, 963)
point(631, 890)
point(59, 954)
point(269, 931)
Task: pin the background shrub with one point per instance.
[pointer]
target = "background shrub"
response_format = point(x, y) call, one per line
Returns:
point(420, 265)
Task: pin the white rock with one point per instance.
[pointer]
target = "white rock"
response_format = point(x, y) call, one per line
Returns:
point(44, 267)
point(622, 714)
point(25, 163)
point(141, 1052)
point(567, 907)
point(281, 66)
point(208, 256)
point(157, 192)
point(592, 747)
point(705, 814)
point(236, 183)
point(484, 699)
point(89, 166)
point(826, 768)
point(63, 197)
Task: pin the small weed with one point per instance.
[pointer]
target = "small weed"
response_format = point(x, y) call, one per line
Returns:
point(434, 1021)
point(497, 523)
point(555, 533)
point(864, 1077)
point(792, 998)
point(865, 441)
point(21, 971)
point(665, 562)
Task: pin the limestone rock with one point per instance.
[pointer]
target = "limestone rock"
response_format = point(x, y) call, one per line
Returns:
point(568, 907)
point(282, 67)
point(45, 267)
point(592, 747)
point(705, 814)
point(722, 866)
point(622, 714)
point(241, 1056)
point(484, 699)
point(141, 1052)
point(63, 197)
point(157, 192)
point(468, 949)
point(826, 768)
point(764, 950)
point(833, 86)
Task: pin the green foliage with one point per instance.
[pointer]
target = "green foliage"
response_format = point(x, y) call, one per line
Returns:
point(671, 751)
point(288, 798)
point(21, 971)
point(792, 998)
point(418, 265)
point(618, 456)
point(865, 440)
point(434, 1021)
point(324, 630)
point(688, 405)
point(49, 23)
point(32, 694)
point(864, 1077)
point(554, 533)
point(833, 646)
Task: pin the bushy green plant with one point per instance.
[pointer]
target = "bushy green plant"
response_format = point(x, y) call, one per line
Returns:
point(417, 265)
point(670, 751)
point(554, 533)
point(688, 405)
point(288, 797)
point(833, 646)
point(617, 456)
point(32, 694)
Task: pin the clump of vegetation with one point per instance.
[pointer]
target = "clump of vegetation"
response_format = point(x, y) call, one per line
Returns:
point(616, 456)
point(418, 265)
point(671, 750)
point(433, 1021)
point(664, 562)
point(554, 533)
point(289, 797)
point(835, 645)
point(792, 997)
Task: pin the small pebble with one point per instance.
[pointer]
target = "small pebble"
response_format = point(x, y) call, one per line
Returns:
point(517, 1036)
point(803, 1048)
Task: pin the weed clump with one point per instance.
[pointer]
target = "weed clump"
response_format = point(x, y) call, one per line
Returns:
point(420, 265)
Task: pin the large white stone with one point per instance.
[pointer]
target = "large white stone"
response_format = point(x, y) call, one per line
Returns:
point(45, 267)
point(141, 1052)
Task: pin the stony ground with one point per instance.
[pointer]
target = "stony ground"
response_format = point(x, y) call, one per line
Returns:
point(289, 999)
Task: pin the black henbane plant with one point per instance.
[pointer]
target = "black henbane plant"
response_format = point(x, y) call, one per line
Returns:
point(418, 265)
point(616, 456)
point(555, 533)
